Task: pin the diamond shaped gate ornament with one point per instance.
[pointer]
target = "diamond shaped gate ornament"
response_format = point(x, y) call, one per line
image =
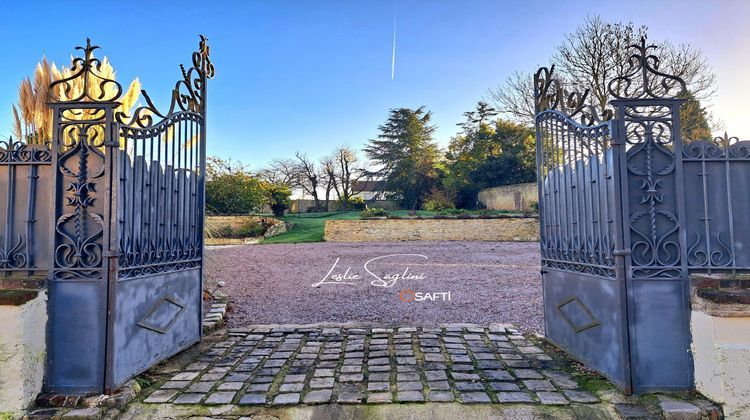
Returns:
point(577, 315)
point(162, 315)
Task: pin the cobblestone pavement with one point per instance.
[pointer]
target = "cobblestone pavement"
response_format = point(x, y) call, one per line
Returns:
point(283, 365)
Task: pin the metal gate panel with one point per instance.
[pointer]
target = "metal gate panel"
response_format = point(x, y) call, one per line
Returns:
point(585, 307)
point(25, 170)
point(127, 207)
point(155, 316)
point(76, 327)
point(583, 317)
point(717, 175)
point(156, 295)
point(659, 337)
point(657, 275)
point(613, 225)
point(80, 213)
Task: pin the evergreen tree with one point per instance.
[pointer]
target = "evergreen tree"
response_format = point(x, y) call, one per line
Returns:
point(488, 154)
point(693, 119)
point(406, 155)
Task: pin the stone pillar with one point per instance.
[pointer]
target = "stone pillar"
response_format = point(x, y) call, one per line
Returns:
point(720, 324)
point(23, 322)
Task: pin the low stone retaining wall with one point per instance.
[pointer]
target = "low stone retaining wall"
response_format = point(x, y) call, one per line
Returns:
point(238, 230)
point(523, 229)
point(235, 223)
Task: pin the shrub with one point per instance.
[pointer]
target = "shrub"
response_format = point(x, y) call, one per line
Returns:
point(373, 212)
point(224, 231)
point(279, 195)
point(251, 229)
point(357, 203)
point(437, 201)
point(534, 206)
point(235, 193)
point(354, 203)
point(452, 212)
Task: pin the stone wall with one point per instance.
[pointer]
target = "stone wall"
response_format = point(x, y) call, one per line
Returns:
point(216, 229)
point(720, 326)
point(23, 322)
point(372, 230)
point(214, 223)
point(301, 205)
point(510, 197)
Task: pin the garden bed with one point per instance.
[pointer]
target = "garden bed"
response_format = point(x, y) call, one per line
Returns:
point(237, 230)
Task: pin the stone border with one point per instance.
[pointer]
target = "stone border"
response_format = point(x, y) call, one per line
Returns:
point(214, 318)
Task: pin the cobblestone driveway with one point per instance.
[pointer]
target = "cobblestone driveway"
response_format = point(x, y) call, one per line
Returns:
point(285, 365)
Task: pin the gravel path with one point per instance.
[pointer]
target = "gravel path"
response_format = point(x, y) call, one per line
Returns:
point(489, 282)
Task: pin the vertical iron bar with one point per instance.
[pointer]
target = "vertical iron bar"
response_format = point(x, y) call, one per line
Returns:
point(153, 171)
point(706, 226)
point(9, 210)
point(730, 214)
point(33, 176)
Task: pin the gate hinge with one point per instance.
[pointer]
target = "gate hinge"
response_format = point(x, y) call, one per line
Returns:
point(621, 252)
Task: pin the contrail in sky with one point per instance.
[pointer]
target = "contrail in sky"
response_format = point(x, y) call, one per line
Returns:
point(393, 54)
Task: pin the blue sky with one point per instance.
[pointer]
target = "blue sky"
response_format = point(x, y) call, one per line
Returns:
point(311, 75)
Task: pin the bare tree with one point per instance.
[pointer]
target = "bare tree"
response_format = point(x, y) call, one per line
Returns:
point(308, 177)
point(281, 172)
point(328, 171)
point(515, 99)
point(344, 172)
point(216, 166)
point(593, 55)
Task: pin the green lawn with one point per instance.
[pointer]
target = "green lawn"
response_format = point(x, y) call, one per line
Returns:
point(308, 227)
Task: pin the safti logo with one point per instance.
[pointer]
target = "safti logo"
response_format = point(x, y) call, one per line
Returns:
point(409, 296)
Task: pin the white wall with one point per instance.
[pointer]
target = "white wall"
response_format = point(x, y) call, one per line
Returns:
point(22, 353)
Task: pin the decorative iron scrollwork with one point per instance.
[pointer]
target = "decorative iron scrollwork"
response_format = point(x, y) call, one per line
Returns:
point(550, 94)
point(78, 253)
point(12, 151)
point(643, 80)
point(719, 255)
point(653, 222)
point(94, 86)
point(718, 148)
point(10, 257)
point(188, 94)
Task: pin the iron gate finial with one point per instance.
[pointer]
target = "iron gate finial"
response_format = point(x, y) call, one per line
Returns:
point(187, 95)
point(550, 94)
point(85, 75)
point(643, 79)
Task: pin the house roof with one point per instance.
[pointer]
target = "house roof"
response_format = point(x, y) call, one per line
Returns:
point(368, 185)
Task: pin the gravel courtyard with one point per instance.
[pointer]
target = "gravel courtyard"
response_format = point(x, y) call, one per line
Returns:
point(489, 282)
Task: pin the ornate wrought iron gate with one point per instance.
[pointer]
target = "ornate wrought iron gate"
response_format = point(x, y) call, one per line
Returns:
point(612, 213)
point(127, 211)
